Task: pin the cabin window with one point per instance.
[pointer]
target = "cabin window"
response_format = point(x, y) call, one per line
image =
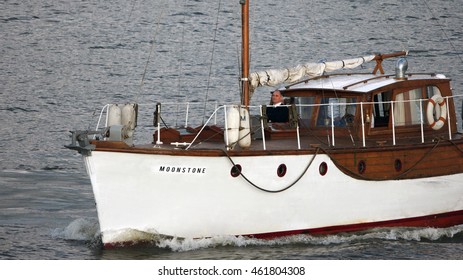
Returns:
point(432, 90)
point(305, 109)
point(338, 111)
point(407, 108)
point(381, 109)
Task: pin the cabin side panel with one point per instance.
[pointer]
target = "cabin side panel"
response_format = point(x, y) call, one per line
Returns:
point(442, 158)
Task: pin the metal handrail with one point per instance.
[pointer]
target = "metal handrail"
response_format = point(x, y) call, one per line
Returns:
point(214, 115)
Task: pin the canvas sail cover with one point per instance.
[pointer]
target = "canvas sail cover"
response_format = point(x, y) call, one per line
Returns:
point(275, 77)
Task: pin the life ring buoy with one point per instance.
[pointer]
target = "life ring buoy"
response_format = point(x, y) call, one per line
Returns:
point(439, 123)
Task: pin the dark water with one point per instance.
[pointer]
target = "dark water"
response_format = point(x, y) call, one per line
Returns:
point(62, 59)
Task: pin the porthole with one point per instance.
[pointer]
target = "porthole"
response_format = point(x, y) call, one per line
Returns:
point(235, 170)
point(323, 168)
point(398, 165)
point(362, 166)
point(281, 171)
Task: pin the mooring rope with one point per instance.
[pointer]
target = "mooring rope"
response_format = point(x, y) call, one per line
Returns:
point(355, 174)
point(456, 146)
point(282, 189)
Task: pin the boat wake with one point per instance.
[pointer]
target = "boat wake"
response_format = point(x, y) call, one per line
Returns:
point(407, 234)
point(81, 229)
point(87, 229)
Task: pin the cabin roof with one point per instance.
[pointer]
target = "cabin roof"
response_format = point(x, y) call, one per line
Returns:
point(357, 82)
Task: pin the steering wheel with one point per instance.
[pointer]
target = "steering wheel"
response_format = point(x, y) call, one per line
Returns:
point(348, 118)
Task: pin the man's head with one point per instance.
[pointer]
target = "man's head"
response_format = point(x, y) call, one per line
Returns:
point(277, 97)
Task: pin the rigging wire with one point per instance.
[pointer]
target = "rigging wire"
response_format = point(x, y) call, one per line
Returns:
point(152, 49)
point(240, 73)
point(128, 20)
point(443, 31)
point(212, 59)
point(252, 21)
point(332, 108)
point(123, 41)
point(131, 10)
point(389, 29)
point(239, 50)
point(180, 65)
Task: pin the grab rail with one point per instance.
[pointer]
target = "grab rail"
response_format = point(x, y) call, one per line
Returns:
point(364, 118)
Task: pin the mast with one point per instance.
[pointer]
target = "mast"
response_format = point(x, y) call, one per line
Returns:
point(245, 52)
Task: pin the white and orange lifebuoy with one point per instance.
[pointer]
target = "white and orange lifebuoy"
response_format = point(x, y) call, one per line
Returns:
point(439, 123)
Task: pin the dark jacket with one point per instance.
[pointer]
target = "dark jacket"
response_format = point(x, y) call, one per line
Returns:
point(277, 114)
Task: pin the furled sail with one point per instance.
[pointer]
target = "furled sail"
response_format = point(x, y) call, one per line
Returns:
point(275, 77)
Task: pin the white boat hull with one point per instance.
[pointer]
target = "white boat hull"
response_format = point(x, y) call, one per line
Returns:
point(138, 195)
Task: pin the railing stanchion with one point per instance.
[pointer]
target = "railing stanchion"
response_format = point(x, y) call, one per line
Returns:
point(158, 120)
point(187, 113)
point(448, 117)
point(176, 114)
point(105, 107)
point(332, 124)
point(422, 121)
point(215, 117)
point(363, 124)
point(262, 127)
point(393, 123)
point(225, 132)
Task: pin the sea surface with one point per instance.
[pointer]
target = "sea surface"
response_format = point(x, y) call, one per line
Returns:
point(61, 61)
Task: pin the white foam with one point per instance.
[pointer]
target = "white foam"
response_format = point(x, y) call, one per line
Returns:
point(87, 229)
point(189, 244)
point(408, 234)
point(82, 229)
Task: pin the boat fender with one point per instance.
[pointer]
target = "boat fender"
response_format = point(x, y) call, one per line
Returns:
point(245, 128)
point(114, 115)
point(439, 123)
point(116, 133)
point(129, 115)
point(232, 133)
